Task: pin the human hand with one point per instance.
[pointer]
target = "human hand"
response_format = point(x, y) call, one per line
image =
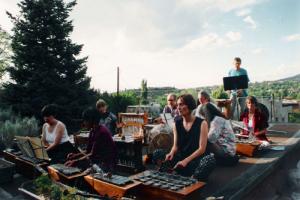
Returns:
point(180, 164)
point(169, 156)
point(240, 92)
point(70, 163)
point(70, 156)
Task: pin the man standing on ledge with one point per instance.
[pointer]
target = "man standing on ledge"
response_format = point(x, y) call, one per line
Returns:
point(238, 96)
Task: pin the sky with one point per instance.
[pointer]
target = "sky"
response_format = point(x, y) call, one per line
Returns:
point(182, 43)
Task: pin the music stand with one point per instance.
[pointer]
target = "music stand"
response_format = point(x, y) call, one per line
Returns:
point(39, 149)
point(235, 83)
point(32, 147)
point(25, 146)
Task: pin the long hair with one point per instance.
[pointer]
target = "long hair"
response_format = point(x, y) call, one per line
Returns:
point(91, 115)
point(209, 111)
point(188, 100)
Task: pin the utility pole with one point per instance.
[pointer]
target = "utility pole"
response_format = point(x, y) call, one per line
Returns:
point(118, 81)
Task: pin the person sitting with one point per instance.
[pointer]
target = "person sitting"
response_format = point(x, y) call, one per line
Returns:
point(107, 119)
point(221, 138)
point(203, 98)
point(255, 120)
point(171, 106)
point(55, 136)
point(101, 149)
point(188, 154)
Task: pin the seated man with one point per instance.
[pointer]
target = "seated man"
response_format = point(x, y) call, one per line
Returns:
point(101, 149)
point(203, 98)
point(171, 106)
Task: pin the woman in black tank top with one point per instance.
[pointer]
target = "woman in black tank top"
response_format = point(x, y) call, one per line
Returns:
point(190, 140)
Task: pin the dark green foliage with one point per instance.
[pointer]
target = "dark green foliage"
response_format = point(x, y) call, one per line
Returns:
point(47, 68)
point(44, 186)
point(119, 103)
point(12, 125)
point(219, 93)
point(280, 89)
point(286, 88)
point(144, 93)
point(5, 51)
point(294, 117)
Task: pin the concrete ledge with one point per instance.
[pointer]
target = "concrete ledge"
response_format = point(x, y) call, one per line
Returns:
point(243, 184)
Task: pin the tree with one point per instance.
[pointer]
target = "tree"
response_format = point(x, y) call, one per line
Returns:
point(47, 68)
point(118, 103)
point(5, 51)
point(144, 92)
point(219, 93)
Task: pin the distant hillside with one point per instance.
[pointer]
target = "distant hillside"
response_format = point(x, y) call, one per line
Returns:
point(292, 78)
point(283, 88)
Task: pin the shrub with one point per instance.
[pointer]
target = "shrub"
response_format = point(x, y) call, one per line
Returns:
point(219, 93)
point(12, 125)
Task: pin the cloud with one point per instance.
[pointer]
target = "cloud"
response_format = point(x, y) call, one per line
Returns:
point(205, 25)
point(285, 70)
point(223, 5)
point(257, 51)
point(291, 38)
point(250, 21)
point(212, 40)
point(11, 7)
point(243, 12)
point(234, 36)
point(209, 40)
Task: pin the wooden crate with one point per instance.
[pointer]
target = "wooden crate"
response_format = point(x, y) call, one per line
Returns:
point(247, 149)
point(109, 189)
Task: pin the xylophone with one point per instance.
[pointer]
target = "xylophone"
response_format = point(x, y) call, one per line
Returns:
point(164, 180)
point(68, 171)
point(162, 185)
point(114, 179)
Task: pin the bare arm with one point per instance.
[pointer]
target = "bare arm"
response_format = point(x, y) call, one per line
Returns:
point(59, 134)
point(45, 143)
point(262, 132)
point(202, 143)
point(174, 149)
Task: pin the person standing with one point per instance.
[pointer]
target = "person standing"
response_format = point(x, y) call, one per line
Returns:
point(107, 119)
point(238, 96)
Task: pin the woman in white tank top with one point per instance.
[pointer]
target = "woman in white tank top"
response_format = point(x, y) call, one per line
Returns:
point(55, 136)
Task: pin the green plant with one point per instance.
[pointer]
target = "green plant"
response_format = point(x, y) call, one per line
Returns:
point(294, 117)
point(219, 93)
point(12, 125)
point(44, 186)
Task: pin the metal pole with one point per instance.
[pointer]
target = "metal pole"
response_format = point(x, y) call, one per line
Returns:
point(118, 81)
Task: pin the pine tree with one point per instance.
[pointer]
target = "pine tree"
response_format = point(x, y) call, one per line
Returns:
point(47, 68)
point(4, 51)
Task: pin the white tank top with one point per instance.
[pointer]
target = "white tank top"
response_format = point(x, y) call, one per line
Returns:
point(50, 136)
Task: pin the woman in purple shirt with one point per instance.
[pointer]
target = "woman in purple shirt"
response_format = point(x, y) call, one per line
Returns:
point(101, 149)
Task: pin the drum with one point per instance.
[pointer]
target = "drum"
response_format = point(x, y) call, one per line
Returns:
point(160, 137)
